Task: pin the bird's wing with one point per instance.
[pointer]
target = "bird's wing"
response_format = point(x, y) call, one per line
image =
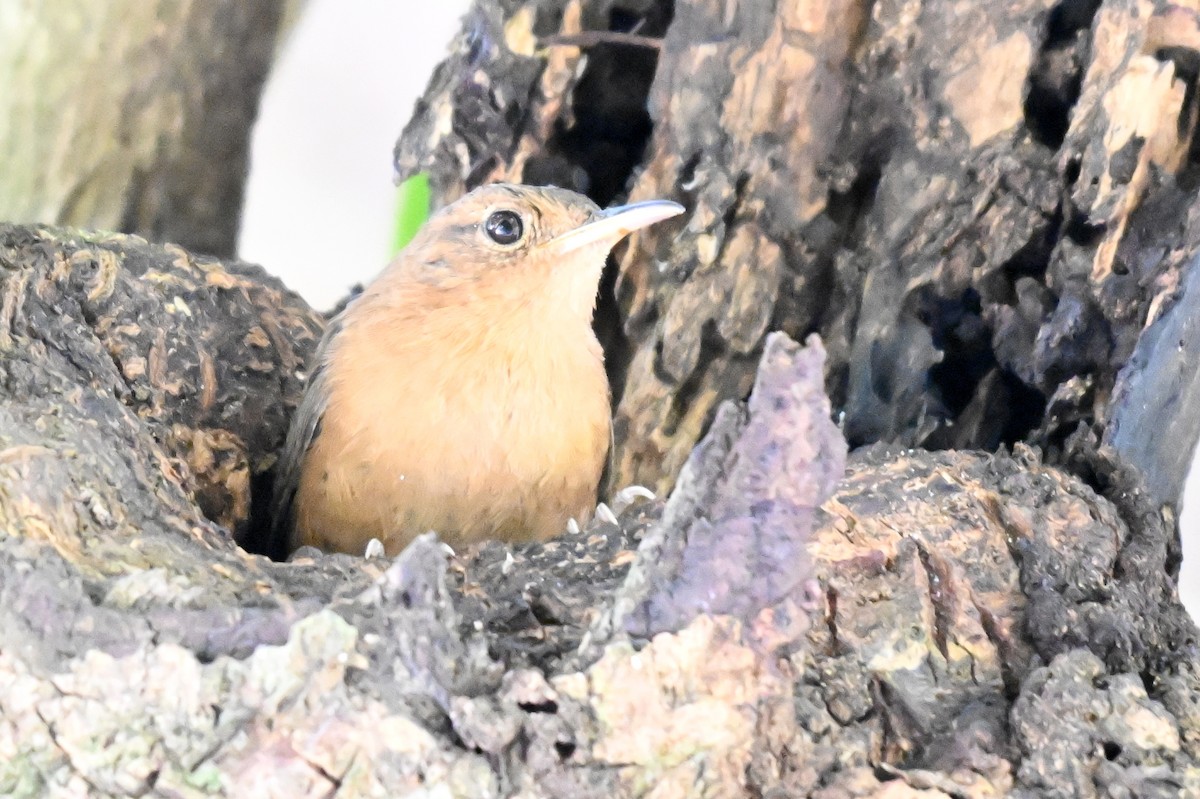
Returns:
point(305, 427)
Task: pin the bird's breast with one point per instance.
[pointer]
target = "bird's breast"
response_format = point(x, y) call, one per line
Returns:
point(482, 433)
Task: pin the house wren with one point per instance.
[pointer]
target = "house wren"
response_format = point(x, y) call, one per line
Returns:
point(463, 391)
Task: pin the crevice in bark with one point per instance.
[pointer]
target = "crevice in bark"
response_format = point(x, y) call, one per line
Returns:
point(610, 125)
point(1082, 232)
point(959, 332)
point(848, 206)
point(598, 153)
point(1054, 84)
point(256, 536)
point(1187, 69)
point(935, 574)
point(1032, 261)
point(711, 346)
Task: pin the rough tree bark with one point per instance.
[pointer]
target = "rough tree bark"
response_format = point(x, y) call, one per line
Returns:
point(790, 622)
point(987, 210)
point(133, 116)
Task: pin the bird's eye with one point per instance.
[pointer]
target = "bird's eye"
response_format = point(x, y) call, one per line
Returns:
point(504, 227)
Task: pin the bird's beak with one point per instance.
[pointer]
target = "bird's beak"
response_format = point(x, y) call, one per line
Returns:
point(613, 224)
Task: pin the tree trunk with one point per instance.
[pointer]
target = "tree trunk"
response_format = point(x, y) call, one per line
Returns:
point(951, 624)
point(133, 116)
point(986, 211)
point(792, 621)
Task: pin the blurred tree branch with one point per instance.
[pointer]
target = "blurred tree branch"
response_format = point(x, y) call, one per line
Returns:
point(133, 115)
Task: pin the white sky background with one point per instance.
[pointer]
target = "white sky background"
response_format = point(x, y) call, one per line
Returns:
point(320, 200)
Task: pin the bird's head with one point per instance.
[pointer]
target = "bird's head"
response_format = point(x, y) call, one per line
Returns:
point(528, 239)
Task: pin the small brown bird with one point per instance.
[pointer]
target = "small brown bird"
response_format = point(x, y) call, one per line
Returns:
point(463, 391)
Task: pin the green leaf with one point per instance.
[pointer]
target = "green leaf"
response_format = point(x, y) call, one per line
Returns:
point(412, 209)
